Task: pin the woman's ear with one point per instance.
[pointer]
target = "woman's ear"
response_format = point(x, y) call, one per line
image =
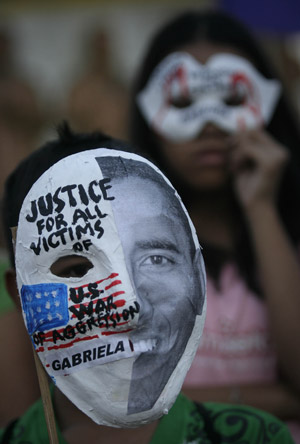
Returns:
point(11, 286)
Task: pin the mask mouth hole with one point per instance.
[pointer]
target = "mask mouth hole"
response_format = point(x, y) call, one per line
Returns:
point(71, 266)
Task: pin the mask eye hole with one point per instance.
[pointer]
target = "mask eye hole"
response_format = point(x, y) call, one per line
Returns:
point(235, 99)
point(71, 266)
point(237, 96)
point(181, 102)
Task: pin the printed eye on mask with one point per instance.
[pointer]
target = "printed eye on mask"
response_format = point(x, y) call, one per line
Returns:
point(182, 96)
point(112, 284)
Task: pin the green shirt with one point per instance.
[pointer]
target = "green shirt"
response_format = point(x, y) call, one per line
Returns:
point(185, 424)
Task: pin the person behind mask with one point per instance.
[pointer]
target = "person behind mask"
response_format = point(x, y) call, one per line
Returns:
point(112, 288)
point(208, 109)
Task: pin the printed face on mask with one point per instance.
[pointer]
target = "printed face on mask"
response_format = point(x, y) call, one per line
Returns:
point(112, 284)
point(182, 96)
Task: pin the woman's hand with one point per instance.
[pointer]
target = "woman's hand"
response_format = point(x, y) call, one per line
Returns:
point(257, 162)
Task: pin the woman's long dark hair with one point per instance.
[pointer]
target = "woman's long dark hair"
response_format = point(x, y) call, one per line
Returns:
point(220, 28)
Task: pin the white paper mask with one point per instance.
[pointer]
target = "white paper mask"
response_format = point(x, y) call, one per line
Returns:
point(182, 95)
point(119, 340)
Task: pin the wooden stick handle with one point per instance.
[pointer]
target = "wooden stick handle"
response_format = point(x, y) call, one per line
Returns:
point(47, 401)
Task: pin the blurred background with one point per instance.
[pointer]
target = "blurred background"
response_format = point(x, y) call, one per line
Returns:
point(76, 59)
point(59, 49)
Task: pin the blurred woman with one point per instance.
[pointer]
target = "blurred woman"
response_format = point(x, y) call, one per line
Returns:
point(208, 109)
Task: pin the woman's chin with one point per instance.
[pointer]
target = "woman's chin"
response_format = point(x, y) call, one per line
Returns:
point(212, 179)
